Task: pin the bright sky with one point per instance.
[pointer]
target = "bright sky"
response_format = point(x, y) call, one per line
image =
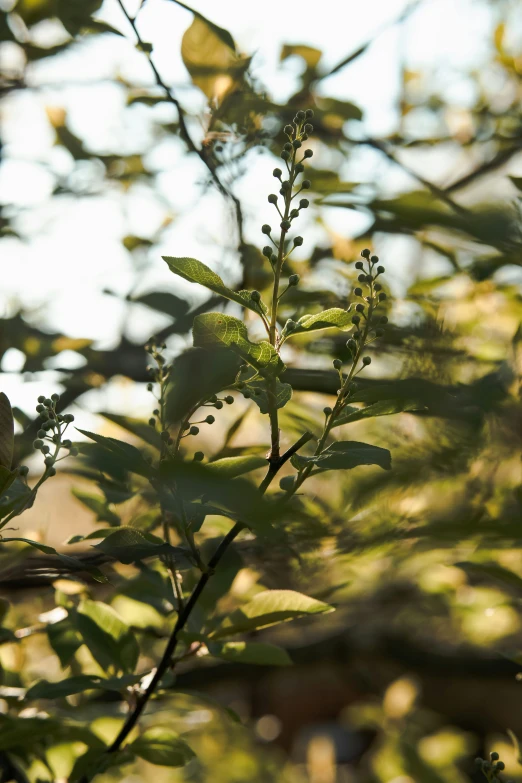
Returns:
point(72, 248)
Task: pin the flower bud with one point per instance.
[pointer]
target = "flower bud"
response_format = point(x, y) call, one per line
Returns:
point(299, 168)
point(285, 185)
point(383, 319)
point(55, 397)
point(294, 213)
point(267, 251)
point(356, 319)
point(293, 279)
point(374, 259)
point(362, 278)
point(67, 444)
point(247, 394)
point(357, 291)
point(37, 444)
point(210, 419)
point(308, 128)
point(309, 114)
point(272, 199)
point(351, 344)
point(218, 405)
point(52, 471)
point(285, 225)
point(298, 241)
point(198, 456)
point(327, 411)
point(308, 153)
point(40, 408)
point(68, 418)
point(48, 461)
point(45, 449)
point(255, 296)
point(382, 297)
point(377, 286)
point(381, 270)
point(500, 765)
point(365, 253)
point(304, 203)
point(47, 402)
point(41, 398)
point(494, 756)
point(304, 136)
point(367, 360)
point(296, 144)
point(229, 399)
point(285, 155)
point(287, 147)
point(359, 265)
point(359, 308)
point(288, 130)
point(300, 116)
point(277, 173)
point(337, 363)
point(306, 184)
point(194, 430)
point(266, 229)
point(23, 470)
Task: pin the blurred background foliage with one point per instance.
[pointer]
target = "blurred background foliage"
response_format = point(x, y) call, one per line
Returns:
point(415, 674)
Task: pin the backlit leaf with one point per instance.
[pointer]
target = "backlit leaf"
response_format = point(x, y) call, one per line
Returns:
point(162, 746)
point(6, 432)
point(345, 455)
point(109, 639)
point(258, 653)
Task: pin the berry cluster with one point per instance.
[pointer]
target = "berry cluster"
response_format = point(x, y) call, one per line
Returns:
point(491, 768)
point(296, 133)
point(50, 440)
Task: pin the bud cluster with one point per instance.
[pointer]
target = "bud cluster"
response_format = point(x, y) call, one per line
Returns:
point(491, 768)
point(296, 133)
point(49, 438)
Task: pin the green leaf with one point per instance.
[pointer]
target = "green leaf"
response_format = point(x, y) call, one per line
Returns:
point(335, 317)
point(345, 455)
point(231, 467)
point(162, 746)
point(195, 272)
point(251, 652)
point(6, 432)
point(70, 562)
point(6, 478)
point(494, 572)
point(129, 545)
point(136, 427)
point(128, 456)
point(259, 394)
point(216, 330)
point(382, 408)
point(82, 682)
point(97, 504)
point(220, 32)
point(269, 608)
point(24, 732)
point(163, 301)
point(309, 54)
point(109, 639)
point(96, 761)
point(64, 639)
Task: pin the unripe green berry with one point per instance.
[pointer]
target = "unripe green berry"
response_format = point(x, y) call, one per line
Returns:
point(382, 297)
point(293, 279)
point(272, 199)
point(152, 422)
point(44, 449)
point(52, 471)
point(367, 360)
point(266, 229)
point(267, 251)
point(210, 419)
point(68, 418)
point(296, 144)
point(218, 405)
point(285, 185)
point(288, 130)
point(287, 147)
point(37, 444)
point(500, 765)
point(377, 286)
point(48, 461)
point(285, 155)
point(255, 296)
point(327, 411)
point(300, 116)
point(298, 241)
point(247, 394)
point(304, 203)
point(356, 319)
point(359, 265)
point(306, 184)
point(67, 444)
point(374, 259)
point(359, 308)
point(381, 270)
point(309, 114)
point(40, 408)
point(294, 213)
point(308, 153)
point(285, 225)
point(299, 168)
point(194, 430)
point(351, 344)
point(337, 363)
point(198, 456)
point(365, 253)
point(55, 397)
point(362, 278)
point(41, 398)
point(277, 173)
point(41, 433)
point(358, 291)
point(308, 128)
point(494, 756)
point(478, 761)
point(47, 402)
point(229, 399)
point(383, 319)
point(23, 470)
